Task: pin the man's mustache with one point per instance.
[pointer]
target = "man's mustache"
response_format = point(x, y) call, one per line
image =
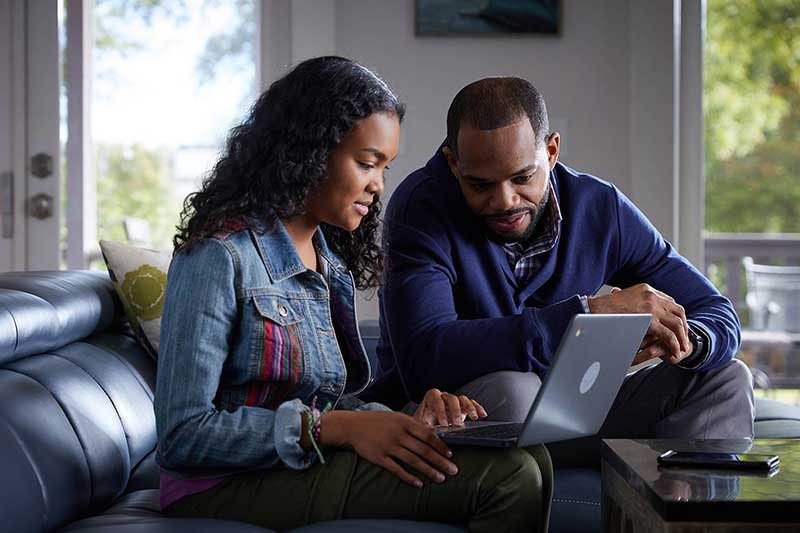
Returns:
point(508, 214)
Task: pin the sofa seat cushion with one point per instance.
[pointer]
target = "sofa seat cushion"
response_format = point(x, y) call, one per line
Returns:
point(140, 512)
point(776, 420)
point(378, 526)
point(768, 409)
point(576, 500)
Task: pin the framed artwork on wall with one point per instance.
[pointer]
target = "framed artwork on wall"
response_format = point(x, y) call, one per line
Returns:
point(487, 17)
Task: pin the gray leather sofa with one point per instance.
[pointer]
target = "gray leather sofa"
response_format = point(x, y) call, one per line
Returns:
point(77, 430)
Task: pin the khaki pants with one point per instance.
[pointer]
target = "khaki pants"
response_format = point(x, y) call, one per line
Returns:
point(495, 490)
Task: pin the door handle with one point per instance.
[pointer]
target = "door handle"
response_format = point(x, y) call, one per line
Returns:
point(40, 206)
point(42, 165)
point(7, 204)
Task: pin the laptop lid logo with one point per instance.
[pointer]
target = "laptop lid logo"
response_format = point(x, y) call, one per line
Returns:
point(589, 377)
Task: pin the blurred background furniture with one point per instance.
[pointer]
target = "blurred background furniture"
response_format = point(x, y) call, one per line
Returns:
point(760, 274)
point(772, 331)
point(773, 296)
point(137, 231)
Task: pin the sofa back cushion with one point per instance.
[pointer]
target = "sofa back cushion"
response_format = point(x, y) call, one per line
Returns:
point(77, 416)
point(41, 311)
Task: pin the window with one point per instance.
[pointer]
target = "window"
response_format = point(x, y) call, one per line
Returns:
point(168, 78)
point(752, 116)
point(751, 105)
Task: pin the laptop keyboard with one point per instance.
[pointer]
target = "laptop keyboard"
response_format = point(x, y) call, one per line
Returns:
point(500, 431)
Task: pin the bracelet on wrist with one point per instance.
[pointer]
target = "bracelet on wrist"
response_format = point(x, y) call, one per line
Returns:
point(314, 426)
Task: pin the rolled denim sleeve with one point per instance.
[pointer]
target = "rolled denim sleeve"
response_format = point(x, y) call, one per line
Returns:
point(372, 406)
point(353, 403)
point(199, 321)
point(288, 429)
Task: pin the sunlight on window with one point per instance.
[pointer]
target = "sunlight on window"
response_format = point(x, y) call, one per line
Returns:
point(170, 78)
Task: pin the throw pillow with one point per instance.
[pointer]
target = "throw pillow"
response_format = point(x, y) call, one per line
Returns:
point(140, 279)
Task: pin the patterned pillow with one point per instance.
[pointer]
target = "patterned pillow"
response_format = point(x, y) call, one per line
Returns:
point(140, 278)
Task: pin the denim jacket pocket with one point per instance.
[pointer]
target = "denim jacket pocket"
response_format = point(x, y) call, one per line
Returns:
point(279, 309)
point(278, 354)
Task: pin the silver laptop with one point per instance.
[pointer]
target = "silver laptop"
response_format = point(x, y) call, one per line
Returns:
point(586, 374)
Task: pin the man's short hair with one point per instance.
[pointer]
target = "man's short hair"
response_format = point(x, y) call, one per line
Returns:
point(492, 103)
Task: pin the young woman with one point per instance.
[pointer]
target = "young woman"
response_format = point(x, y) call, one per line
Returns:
point(261, 362)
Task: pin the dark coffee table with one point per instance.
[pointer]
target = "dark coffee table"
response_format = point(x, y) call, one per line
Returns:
point(639, 495)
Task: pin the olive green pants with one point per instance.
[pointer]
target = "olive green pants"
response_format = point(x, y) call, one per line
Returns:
point(495, 490)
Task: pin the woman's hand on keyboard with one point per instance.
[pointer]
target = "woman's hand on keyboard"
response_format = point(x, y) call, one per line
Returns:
point(445, 409)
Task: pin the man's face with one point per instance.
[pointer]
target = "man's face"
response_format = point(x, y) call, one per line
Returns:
point(504, 176)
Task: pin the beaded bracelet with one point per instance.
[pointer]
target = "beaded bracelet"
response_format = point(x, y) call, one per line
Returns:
point(313, 425)
point(317, 425)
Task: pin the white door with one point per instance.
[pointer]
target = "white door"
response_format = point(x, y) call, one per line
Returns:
point(9, 220)
point(43, 167)
point(29, 135)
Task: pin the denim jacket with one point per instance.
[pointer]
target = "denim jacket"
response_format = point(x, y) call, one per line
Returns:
point(248, 339)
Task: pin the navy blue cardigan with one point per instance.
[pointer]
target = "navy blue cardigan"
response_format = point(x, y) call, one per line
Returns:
point(451, 309)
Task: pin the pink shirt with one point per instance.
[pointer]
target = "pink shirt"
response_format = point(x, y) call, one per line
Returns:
point(173, 489)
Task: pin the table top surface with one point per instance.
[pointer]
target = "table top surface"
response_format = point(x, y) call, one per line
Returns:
point(701, 494)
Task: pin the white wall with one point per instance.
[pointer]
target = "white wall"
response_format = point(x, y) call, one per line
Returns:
point(609, 80)
point(583, 75)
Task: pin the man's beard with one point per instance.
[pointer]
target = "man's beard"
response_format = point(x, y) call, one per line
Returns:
point(536, 214)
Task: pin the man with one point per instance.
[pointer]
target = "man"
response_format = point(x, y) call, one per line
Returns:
point(494, 246)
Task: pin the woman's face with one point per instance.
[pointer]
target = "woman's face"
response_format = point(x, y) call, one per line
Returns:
point(355, 172)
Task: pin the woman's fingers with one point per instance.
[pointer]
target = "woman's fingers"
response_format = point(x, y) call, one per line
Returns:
point(431, 456)
point(481, 411)
point(468, 408)
point(454, 415)
point(434, 400)
point(413, 460)
point(446, 409)
point(389, 464)
point(426, 435)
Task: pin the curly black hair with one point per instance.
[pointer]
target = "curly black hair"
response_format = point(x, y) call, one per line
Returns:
point(279, 155)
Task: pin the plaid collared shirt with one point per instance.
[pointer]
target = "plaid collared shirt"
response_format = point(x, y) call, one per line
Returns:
point(524, 257)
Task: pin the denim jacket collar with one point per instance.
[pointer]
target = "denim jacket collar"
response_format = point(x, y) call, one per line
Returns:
point(322, 249)
point(279, 252)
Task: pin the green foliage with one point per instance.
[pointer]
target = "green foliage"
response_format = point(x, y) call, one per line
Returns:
point(752, 126)
point(134, 182)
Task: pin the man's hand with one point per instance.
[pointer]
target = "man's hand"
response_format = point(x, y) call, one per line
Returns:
point(668, 334)
point(447, 409)
point(652, 348)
